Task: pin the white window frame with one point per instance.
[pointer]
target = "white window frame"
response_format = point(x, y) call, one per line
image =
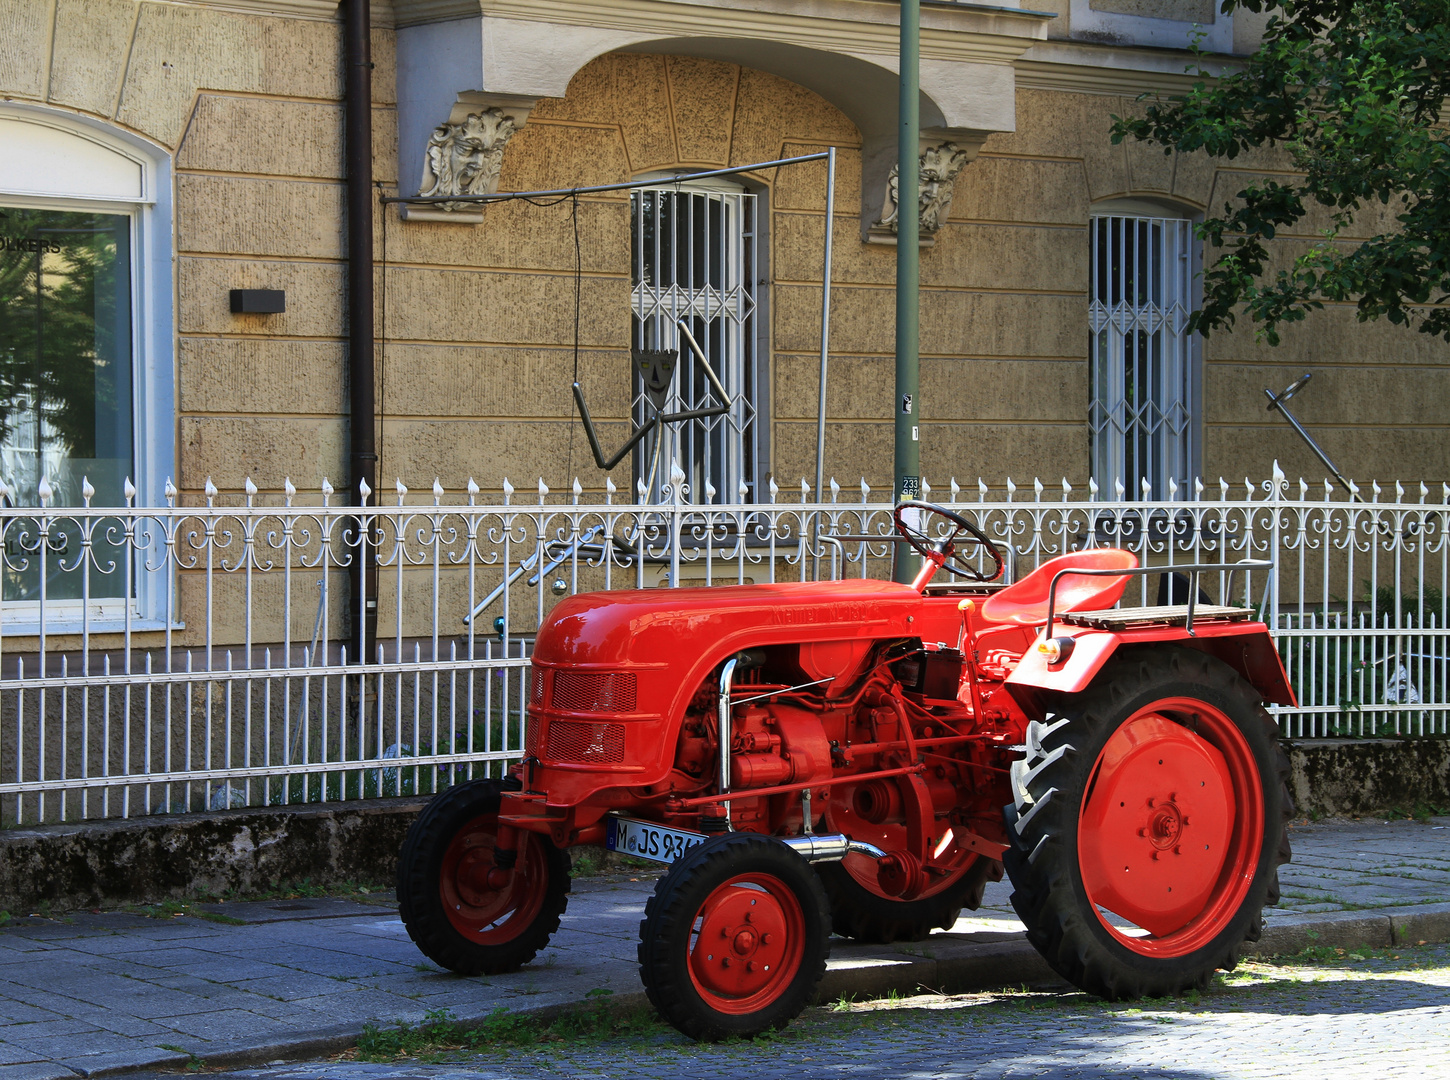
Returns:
point(738, 305)
point(55, 176)
point(1144, 403)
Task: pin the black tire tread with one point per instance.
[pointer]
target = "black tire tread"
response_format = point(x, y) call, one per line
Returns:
point(1038, 862)
point(420, 905)
point(858, 913)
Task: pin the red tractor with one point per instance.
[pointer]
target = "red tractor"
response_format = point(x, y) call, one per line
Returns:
point(865, 756)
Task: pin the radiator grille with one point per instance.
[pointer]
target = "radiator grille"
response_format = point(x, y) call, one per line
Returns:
point(536, 689)
point(531, 736)
point(598, 744)
point(594, 691)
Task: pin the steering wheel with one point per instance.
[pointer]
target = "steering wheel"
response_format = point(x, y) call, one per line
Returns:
point(943, 551)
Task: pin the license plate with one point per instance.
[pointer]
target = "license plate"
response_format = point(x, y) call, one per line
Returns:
point(645, 840)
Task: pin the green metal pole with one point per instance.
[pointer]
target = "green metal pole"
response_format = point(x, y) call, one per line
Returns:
point(907, 403)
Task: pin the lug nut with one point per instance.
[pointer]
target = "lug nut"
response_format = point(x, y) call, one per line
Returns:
point(765, 939)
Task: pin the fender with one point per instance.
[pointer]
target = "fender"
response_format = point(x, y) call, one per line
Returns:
point(1246, 647)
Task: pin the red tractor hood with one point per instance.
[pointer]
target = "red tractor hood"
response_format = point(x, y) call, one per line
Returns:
point(688, 628)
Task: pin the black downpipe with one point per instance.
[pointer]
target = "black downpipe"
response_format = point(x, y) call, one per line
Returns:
point(362, 442)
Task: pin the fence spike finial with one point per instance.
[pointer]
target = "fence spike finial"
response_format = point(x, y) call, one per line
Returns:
point(774, 489)
point(437, 490)
point(1197, 488)
point(128, 489)
point(742, 489)
point(1328, 489)
point(609, 485)
point(1222, 489)
point(677, 479)
point(805, 490)
point(543, 489)
point(1399, 492)
point(1146, 488)
point(1118, 488)
point(1303, 489)
point(1011, 489)
point(1066, 489)
point(642, 489)
point(508, 490)
point(210, 490)
point(1172, 489)
point(401, 489)
point(46, 492)
point(866, 489)
point(326, 490)
point(709, 491)
point(1444, 492)
point(1092, 489)
point(472, 490)
point(1353, 488)
point(1375, 487)
point(981, 490)
point(578, 489)
point(5, 490)
point(364, 489)
point(955, 488)
point(835, 489)
point(251, 490)
point(1037, 488)
point(288, 489)
point(1424, 491)
point(925, 488)
point(87, 491)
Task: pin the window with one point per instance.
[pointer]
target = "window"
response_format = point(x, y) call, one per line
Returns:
point(694, 256)
point(85, 353)
point(1144, 410)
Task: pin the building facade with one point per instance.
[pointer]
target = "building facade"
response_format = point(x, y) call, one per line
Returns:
point(158, 156)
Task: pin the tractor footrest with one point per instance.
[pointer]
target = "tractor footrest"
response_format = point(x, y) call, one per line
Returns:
point(1139, 617)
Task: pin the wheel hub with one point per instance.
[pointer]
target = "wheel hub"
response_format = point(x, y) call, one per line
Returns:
point(742, 941)
point(1155, 827)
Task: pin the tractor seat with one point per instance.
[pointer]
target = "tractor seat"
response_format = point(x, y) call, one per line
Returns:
point(1025, 603)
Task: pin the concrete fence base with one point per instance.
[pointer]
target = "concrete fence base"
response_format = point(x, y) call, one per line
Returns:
point(245, 851)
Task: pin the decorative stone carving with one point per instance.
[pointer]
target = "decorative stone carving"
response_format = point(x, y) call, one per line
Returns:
point(939, 165)
point(464, 158)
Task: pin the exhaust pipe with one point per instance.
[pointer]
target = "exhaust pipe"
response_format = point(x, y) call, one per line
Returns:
point(816, 849)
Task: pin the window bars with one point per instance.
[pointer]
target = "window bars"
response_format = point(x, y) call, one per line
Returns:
point(694, 261)
point(1143, 410)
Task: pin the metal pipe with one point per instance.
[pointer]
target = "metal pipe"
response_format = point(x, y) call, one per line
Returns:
point(362, 442)
point(726, 674)
point(1281, 402)
point(830, 848)
point(907, 406)
point(500, 196)
point(825, 351)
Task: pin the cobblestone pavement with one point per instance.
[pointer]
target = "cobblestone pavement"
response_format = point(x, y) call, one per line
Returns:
point(1384, 1015)
point(96, 993)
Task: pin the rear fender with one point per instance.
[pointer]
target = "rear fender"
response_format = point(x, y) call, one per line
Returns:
point(1245, 647)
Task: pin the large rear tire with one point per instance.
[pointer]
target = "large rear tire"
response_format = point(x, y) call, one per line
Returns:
point(1147, 825)
point(735, 938)
point(451, 912)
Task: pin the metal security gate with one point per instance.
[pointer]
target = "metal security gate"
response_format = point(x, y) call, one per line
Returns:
point(694, 258)
point(1143, 406)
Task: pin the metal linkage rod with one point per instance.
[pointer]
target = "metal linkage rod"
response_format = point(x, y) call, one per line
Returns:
point(502, 196)
point(1280, 402)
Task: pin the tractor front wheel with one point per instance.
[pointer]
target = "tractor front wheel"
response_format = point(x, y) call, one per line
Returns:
point(735, 938)
point(455, 915)
point(1147, 825)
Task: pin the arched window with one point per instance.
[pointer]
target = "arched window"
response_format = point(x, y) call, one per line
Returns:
point(1145, 412)
point(85, 335)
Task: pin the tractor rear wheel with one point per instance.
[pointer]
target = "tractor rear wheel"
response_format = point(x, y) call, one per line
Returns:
point(452, 913)
point(1147, 825)
point(735, 938)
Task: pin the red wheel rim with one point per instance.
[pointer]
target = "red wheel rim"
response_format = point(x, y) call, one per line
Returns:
point(746, 943)
point(1171, 828)
point(490, 916)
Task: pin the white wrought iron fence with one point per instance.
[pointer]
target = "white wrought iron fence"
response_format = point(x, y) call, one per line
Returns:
point(230, 674)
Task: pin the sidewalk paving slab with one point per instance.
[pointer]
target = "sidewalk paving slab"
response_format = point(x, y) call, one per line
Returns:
point(98, 994)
